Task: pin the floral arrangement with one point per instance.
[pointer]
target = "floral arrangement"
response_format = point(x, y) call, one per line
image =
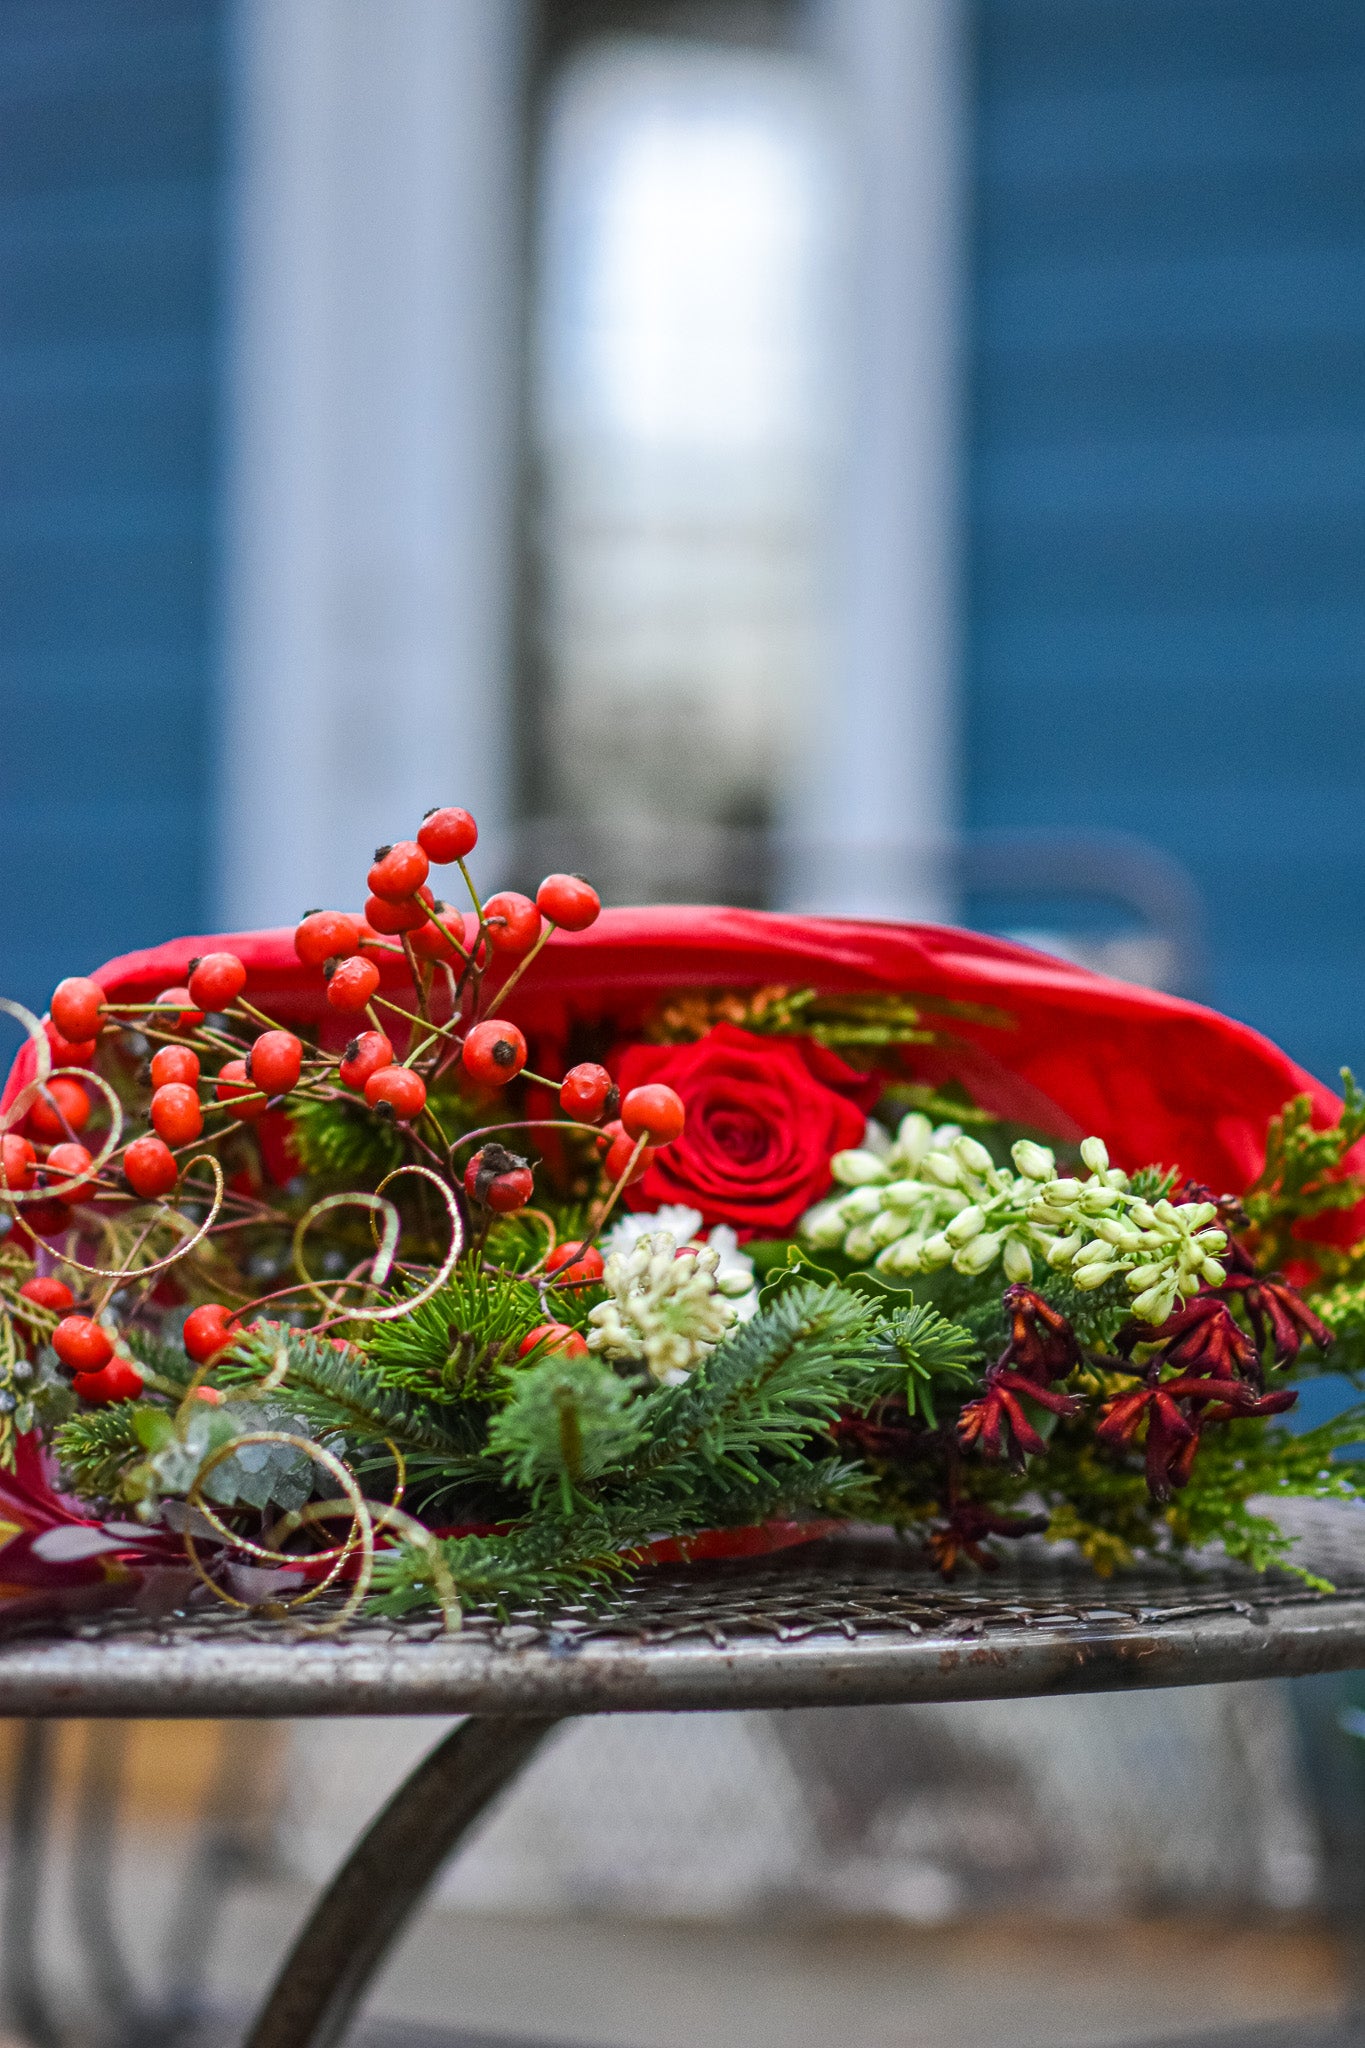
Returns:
point(378, 1273)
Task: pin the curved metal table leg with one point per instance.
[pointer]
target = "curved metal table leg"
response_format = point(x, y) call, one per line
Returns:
point(365, 1907)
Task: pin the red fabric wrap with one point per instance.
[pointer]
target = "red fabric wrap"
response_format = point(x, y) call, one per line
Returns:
point(1159, 1079)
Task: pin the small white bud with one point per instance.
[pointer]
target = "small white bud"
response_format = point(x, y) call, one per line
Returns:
point(1017, 1261)
point(890, 1225)
point(901, 1258)
point(861, 1205)
point(1095, 1153)
point(904, 1194)
point(1063, 1250)
point(942, 1167)
point(734, 1282)
point(1140, 1278)
point(1156, 1303)
point(857, 1168)
point(1097, 1252)
point(1194, 1215)
point(1064, 1190)
point(858, 1244)
point(1088, 1277)
point(973, 1155)
point(1035, 1162)
point(1117, 1179)
point(1144, 1215)
point(823, 1226)
point(1114, 1230)
point(1212, 1274)
point(964, 1227)
point(914, 1136)
point(1212, 1240)
point(979, 1254)
point(935, 1252)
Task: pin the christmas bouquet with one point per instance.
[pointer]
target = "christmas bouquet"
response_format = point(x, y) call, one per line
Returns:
point(471, 1257)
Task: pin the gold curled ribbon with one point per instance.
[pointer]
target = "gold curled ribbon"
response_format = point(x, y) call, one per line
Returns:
point(100, 1159)
point(172, 1258)
point(28, 1094)
point(359, 1198)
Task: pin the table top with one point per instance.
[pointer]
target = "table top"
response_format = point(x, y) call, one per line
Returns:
point(856, 1619)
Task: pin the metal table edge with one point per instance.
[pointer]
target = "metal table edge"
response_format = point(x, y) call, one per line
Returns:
point(369, 1675)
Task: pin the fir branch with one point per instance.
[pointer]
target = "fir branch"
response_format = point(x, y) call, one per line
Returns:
point(932, 1351)
point(568, 1421)
point(772, 1385)
point(459, 1341)
point(1302, 1176)
point(96, 1447)
point(342, 1392)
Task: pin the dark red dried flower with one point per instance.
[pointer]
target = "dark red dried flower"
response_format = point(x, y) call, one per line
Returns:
point(1042, 1342)
point(1200, 1336)
point(963, 1534)
point(1172, 1432)
point(996, 1420)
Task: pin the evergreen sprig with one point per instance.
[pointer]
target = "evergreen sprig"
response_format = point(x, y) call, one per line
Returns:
point(1303, 1175)
point(932, 1351)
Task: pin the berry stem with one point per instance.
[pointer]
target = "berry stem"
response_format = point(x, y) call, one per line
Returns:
point(515, 976)
point(535, 1123)
point(599, 1217)
point(419, 987)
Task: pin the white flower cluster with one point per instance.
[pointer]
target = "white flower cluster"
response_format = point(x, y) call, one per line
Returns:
point(667, 1306)
point(935, 1198)
point(685, 1226)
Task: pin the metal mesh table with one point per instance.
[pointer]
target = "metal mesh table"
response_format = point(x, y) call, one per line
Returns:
point(853, 1620)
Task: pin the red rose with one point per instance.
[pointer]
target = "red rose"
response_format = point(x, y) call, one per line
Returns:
point(761, 1126)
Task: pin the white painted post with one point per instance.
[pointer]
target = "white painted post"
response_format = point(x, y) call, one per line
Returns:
point(875, 811)
point(371, 436)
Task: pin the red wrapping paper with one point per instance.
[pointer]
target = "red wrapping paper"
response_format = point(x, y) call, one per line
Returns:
point(1161, 1080)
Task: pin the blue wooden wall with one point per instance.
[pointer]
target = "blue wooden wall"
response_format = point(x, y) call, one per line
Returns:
point(110, 158)
point(1167, 485)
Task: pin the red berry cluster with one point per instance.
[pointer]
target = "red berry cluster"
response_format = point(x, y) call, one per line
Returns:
point(428, 987)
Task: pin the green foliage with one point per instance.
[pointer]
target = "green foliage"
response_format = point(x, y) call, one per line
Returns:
point(933, 1352)
point(567, 1421)
point(97, 1446)
point(454, 1346)
point(1302, 1177)
point(1342, 1308)
point(341, 1142)
point(1152, 1183)
point(342, 1393)
point(761, 1394)
point(1240, 1460)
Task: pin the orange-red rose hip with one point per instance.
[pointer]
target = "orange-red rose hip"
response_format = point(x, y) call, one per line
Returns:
point(276, 1061)
point(326, 935)
point(447, 834)
point(176, 1115)
point(398, 1090)
point(352, 985)
point(82, 1344)
point(653, 1111)
point(397, 871)
point(18, 1164)
point(63, 1105)
point(569, 901)
point(175, 1063)
point(513, 923)
point(494, 1052)
point(149, 1168)
point(78, 1008)
point(217, 980)
point(365, 1056)
point(208, 1330)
